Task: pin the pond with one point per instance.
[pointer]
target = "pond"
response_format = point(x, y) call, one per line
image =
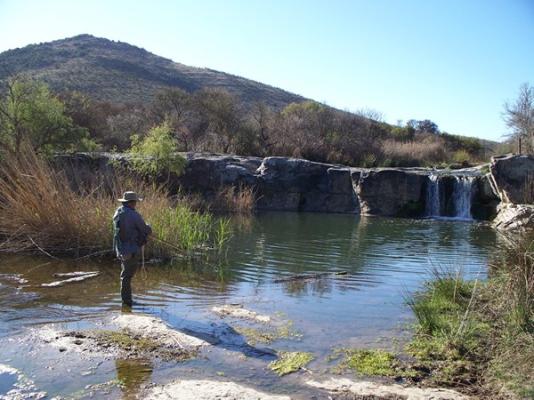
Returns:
point(365, 268)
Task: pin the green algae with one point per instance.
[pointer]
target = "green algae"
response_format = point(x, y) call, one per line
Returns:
point(370, 362)
point(267, 336)
point(290, 361)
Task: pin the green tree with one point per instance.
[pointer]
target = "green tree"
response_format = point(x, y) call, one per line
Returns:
point(156, 152)
point(30, 113)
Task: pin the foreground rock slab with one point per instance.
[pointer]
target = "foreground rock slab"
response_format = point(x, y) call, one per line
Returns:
point(237, 311)
point(207, 390)
point(154, 328)
point(343, 386)
point(129, 335)
point(513, 217)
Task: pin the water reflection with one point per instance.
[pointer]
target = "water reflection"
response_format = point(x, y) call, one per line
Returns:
point(132, 374)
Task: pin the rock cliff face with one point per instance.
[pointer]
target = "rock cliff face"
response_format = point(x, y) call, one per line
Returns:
point(513, 179)
point(301, 185)
point(287, 184)
point(392, 192)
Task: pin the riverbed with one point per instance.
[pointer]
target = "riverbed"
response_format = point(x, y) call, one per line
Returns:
point(354, 276)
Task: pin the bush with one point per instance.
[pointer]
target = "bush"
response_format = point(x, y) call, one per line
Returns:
point(461, 157)
point(30, 114)
point(156, 152)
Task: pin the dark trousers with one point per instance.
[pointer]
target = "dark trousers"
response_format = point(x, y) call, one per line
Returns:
point(129, 264)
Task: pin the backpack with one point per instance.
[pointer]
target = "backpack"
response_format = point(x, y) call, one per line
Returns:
point(116, 230)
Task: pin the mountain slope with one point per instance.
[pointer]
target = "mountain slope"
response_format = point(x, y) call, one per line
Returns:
point(119, 72)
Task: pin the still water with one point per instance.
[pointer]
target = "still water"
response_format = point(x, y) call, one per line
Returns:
point(384, 259)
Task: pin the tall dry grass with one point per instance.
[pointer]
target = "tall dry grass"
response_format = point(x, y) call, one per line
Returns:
point(40, 211)
point(420, 152)
point(239, 200)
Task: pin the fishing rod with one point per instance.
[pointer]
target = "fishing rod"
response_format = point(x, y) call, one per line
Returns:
point(173, 246)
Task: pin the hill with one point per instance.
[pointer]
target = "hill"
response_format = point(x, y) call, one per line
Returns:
point(124, 85)
point(119, 72)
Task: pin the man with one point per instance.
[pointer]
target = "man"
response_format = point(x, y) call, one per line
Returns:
point(130, 233)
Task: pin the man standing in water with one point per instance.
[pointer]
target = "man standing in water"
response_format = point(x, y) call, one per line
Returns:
point(130, 233)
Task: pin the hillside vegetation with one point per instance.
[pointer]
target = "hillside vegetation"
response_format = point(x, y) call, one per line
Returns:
point(121, 73)
point(113, 91)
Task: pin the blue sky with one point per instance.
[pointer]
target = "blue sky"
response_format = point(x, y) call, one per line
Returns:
point(452, 61)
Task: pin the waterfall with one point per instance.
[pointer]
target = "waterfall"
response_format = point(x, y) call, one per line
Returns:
point(462, 197)
point(453, 200)
point(432, 206)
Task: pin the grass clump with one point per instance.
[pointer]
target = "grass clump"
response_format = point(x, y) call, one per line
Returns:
point(479, 336)
point(369, 362)
point(238, 200)
point(290, 361)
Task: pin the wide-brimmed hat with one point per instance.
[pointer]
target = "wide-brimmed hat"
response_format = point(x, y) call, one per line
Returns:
point(130, 196)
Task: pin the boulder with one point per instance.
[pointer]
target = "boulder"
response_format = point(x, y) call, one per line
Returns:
point(392, 192)
point(207, 173)
point(514, 178)
point(485, 199)
point(288, 184)
point(514, 217)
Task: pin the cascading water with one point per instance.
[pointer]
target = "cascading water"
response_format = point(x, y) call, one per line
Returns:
point(462, 196)
point(432, 197)
point(447, 201)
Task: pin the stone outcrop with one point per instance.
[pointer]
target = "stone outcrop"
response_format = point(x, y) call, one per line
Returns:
point(392, 192)
point(206, 173)
point(512, 177)
point(512, 217)
point(288, 184)
point(485, 199)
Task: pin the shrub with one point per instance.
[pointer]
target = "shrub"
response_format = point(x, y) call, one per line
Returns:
point(156, 152)
point(461, 157)
point(30, 114)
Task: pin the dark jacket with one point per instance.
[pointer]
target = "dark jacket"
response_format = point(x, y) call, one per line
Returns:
point(130, 231)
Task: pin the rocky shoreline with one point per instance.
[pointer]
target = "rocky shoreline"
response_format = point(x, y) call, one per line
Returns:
point(287, 184)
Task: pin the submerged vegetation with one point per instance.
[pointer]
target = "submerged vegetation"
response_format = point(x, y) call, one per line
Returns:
point(480, 335)
point(267, 336)
point(40, 211)
point(290, 361)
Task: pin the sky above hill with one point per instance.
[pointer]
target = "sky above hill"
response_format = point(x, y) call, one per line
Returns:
point(455, 62)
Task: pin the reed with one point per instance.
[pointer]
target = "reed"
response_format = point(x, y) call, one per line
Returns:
point(41, 211)
point(238, 200)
